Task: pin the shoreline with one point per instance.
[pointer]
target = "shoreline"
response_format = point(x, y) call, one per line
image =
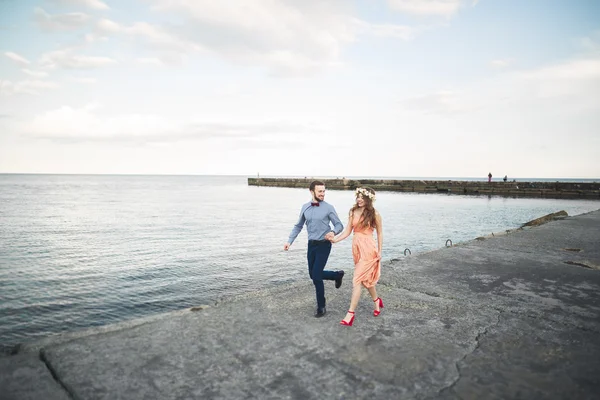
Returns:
point(353, 177)
point(502, 318)
point(540, 189)
point(64, 337)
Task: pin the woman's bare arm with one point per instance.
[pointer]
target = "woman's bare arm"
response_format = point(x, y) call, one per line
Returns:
point(346, 232)
point(379, 229)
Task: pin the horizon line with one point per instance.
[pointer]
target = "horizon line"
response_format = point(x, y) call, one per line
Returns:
point(298, 176)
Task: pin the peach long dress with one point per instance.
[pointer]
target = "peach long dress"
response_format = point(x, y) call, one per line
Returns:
point(367, 263)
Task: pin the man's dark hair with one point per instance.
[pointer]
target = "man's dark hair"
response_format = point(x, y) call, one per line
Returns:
point(315, 183)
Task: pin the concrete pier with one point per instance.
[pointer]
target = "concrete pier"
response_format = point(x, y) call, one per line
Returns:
point(515, 316)
point(572, 190)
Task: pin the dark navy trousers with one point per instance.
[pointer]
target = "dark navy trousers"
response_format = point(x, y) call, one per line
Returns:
point(317, 254)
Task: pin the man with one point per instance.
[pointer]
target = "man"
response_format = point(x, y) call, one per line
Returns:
point(318, 215)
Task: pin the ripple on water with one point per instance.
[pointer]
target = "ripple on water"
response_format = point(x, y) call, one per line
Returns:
point(83, 251)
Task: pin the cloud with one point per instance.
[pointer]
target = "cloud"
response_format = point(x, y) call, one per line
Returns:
point(84, 80)
point(287, 37)
point(385, 30)
point(568, 87)
point(149, 61)
point(501, 63)
point(86, 124)
point(576, 82)
point(108, 26)
point(170, 47)
point(66, 59)
point(444, 8)
point(573, 70)
point(82, 124)
point(60, 22)
point(93, 4)
point(33, 87)
point(35, 74)
point(590, 43)
point(441, 102)
point(22, 61)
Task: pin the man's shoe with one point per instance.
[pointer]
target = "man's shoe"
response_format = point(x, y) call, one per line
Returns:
point(320, 312)
point(338, 281)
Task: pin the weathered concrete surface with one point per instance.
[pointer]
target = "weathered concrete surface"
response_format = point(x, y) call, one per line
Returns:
point(25, 376)
point(501, 318)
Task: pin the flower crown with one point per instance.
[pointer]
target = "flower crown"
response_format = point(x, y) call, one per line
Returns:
point(365, 193)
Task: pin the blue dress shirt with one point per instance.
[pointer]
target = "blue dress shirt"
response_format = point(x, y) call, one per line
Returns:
point(317, 221)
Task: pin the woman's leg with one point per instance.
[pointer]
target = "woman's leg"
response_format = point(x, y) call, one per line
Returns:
point(373, 293)
point(354, 300)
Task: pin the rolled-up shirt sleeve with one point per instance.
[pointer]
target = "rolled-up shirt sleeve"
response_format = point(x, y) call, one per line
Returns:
point(298, 227)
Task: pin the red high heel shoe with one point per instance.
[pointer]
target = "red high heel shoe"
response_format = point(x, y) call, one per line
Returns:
point(375, 312)
point(342, 322)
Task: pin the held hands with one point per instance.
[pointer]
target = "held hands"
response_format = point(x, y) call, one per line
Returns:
point(331, 237)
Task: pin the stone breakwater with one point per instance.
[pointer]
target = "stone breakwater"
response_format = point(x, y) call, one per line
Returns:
point(585, 190)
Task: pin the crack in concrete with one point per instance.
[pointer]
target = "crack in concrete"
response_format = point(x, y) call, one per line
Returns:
point(478, 339)
point(430, 294)
point(55, 376)
point(500, 310)
point(481, 334)
point(548, 318)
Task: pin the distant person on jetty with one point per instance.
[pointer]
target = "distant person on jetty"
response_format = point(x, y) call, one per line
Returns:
point(363, 219)
point(318, 215)
point(490, 177)
point(505, 178)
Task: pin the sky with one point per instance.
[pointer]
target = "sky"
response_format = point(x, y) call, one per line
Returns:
point(398, 88)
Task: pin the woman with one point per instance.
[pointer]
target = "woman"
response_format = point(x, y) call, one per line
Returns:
point(363, 219)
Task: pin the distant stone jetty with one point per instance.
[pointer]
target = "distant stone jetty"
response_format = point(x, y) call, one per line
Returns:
point(584, 190)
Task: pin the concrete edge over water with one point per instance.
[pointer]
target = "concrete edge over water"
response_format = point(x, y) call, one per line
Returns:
point(60, 338)
point(513, 317)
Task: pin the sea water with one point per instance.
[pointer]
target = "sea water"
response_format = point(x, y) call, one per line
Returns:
point(78, 251)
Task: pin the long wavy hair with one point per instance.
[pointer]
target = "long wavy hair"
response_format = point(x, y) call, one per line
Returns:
point(367, 219)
